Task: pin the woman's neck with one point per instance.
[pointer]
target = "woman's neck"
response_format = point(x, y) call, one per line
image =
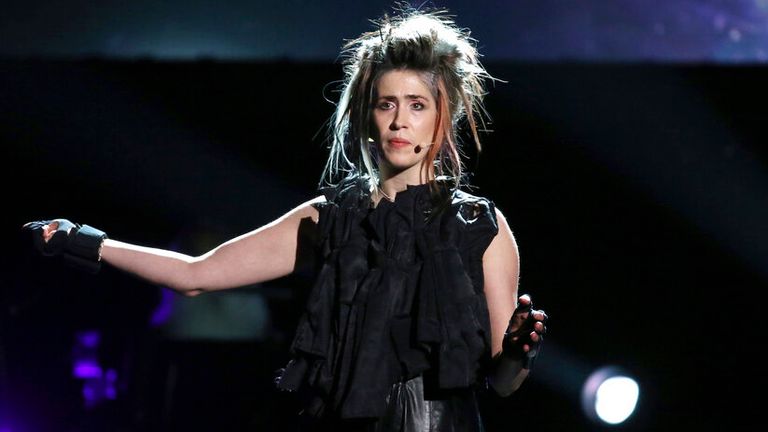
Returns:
point(390, 185)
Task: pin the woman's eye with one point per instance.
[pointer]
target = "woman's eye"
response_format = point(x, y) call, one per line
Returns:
point(385, 105)
point(418, 106)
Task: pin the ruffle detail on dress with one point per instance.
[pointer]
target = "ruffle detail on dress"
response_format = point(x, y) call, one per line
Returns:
point(399, 294)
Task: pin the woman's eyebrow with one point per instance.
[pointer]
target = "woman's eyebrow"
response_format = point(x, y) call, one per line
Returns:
point(408, 96)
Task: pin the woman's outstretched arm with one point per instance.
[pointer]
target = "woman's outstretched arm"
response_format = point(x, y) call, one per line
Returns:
point(266, 253)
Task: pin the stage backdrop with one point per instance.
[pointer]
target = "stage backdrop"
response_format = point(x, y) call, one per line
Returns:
point(637, 194)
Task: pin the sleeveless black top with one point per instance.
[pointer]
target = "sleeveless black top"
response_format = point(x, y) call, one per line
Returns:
point(399, 294)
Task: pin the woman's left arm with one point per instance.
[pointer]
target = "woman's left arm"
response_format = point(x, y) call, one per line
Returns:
point(501, 269)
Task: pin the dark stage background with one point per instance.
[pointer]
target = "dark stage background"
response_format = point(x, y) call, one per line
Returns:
point(637, 193)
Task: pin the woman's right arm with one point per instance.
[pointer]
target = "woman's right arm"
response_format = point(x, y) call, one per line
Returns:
point(266, 253)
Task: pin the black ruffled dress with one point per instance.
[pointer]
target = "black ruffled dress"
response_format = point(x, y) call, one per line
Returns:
point(396, 333)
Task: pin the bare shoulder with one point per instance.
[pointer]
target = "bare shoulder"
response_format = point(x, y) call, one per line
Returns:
point(500, 217)
point(503, 245)
point(306, 209)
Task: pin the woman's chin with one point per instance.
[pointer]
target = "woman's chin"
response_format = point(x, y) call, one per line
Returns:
point(400, 167)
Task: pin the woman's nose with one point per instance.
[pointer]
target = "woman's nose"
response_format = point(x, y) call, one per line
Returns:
point(397, 121)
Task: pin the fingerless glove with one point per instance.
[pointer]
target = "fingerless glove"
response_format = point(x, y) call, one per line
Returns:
point(514, 340)
point(79, 245)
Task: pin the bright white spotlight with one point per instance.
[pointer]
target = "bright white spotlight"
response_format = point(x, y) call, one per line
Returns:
point(609, 395)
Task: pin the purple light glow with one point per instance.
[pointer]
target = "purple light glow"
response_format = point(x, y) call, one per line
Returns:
point(111, 375)
point(86, 369)
point(90, 394)
point(110, 393)
point(162, 312)
point(110, 379)
point(96, 390)
point(98, 384)
point(88, 338)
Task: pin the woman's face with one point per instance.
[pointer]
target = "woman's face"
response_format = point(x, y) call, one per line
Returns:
point(404, 117)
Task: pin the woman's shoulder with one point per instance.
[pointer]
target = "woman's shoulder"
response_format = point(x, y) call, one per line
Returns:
point(353, 187)
point(479, 218)
point(461, 195)
point(472, 207)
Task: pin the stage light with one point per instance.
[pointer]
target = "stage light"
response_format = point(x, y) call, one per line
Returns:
point(609, 396)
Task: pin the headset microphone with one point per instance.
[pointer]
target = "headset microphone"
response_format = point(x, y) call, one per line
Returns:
point(418, 147)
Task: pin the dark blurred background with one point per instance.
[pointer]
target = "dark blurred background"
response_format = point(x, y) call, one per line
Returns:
point(628, 154)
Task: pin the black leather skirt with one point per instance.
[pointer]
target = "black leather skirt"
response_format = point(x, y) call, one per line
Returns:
point(409, 409)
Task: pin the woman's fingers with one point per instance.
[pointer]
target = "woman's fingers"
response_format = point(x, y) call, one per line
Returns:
point(49, 230)
point(524, 300)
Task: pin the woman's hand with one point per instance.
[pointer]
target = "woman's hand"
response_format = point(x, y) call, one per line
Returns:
point(79, 245)
point(525, 333)
point(44, 231)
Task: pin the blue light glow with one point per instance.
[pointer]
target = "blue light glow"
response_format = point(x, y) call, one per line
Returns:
point(544, 30)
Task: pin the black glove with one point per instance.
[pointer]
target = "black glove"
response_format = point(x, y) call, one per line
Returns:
point(518, 334)
point(79, 245)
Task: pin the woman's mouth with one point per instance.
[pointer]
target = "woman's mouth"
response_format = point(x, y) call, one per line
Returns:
point(399, 142)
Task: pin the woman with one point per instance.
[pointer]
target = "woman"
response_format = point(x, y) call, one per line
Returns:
point(414, 304)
